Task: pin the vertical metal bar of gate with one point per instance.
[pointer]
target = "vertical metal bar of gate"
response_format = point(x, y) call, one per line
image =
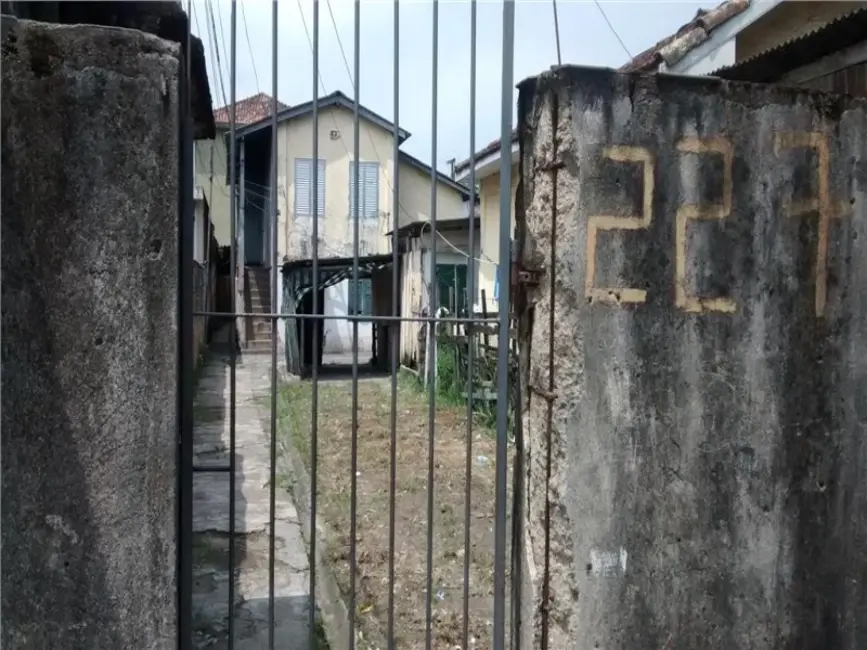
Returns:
point(233, 330)
point(431, 353)
point(431, 320)
point(184, 535)
point(355, 219)
point(471, 299)
point(395, 325)
point(314, 433)
point(274, 323)
point(504, 275)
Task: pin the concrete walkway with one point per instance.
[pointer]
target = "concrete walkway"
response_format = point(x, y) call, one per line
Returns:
point(211, 517)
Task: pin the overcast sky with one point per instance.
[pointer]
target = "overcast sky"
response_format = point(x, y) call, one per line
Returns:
point(585, 38)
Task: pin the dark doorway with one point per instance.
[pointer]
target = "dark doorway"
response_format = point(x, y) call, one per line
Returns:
point(310, 329)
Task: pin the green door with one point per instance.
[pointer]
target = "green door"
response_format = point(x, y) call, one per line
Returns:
point(452, 287)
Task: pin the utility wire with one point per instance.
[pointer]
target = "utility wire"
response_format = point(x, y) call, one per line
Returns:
point(250, 46)
point(352, 83)
point(321, 78)
point(339, 42)
point(250, 199)
point(373, 144)
point(214, 66)
point(325, 92)
point(257, 194)
point(222, 29)
point(198, 153)
point(367, 130)
point(613, 31)
point(215, 50)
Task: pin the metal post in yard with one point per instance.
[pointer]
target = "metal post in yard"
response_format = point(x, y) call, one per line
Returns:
point(504, 272)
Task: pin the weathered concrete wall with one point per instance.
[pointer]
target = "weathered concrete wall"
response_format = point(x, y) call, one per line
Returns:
point(89, 338)
point(708, 461)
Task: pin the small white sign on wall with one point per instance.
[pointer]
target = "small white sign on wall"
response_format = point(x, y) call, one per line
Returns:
point(608, 564)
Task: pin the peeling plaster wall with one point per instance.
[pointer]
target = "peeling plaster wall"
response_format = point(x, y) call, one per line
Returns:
point(708, 446)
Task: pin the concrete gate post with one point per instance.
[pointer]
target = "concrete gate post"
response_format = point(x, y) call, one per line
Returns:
point(89, 275)
point(707, 477)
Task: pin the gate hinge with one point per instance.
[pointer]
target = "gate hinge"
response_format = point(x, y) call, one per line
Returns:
point(552, 166)
point(526, 276)
point(547, 395)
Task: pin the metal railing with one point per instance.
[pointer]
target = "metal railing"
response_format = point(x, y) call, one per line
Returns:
point(500, 623)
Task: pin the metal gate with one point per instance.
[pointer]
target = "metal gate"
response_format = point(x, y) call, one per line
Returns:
point(300, 456)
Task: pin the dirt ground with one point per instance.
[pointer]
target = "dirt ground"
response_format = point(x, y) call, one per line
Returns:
point(334, 489)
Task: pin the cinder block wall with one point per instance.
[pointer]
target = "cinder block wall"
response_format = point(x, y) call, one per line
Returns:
point(708, 244)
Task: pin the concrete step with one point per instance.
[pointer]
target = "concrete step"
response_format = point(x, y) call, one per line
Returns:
point(261, 324)
point(260, 345)
point(259, 299)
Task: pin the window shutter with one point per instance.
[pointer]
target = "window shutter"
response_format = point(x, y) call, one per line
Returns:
point(304, 184)
point(368, 189)
point(303, 205)
point(320, 188)
point(352, 189)
point(302, 187)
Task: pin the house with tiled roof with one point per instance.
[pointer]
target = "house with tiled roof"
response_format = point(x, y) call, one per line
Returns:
point(327, 201)
point(249, 110)
point(212, 155)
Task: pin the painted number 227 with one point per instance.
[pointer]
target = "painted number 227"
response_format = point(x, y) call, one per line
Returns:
point(714, 146)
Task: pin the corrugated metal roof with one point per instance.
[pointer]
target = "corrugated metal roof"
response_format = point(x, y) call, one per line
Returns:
point(842, 32)
point(673, 48)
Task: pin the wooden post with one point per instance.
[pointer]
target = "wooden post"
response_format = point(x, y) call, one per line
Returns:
point(485, 315)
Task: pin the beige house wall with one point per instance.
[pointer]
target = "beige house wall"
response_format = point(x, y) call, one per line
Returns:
point(295, 140)
point(335, 228)
point(336, 127)
point(415, 197)
point(489, 196)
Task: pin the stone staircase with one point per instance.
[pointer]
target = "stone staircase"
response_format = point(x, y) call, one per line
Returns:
point(257, 300)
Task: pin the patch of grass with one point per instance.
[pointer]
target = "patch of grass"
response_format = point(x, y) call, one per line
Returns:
point(319, 637)
point(373, 489)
